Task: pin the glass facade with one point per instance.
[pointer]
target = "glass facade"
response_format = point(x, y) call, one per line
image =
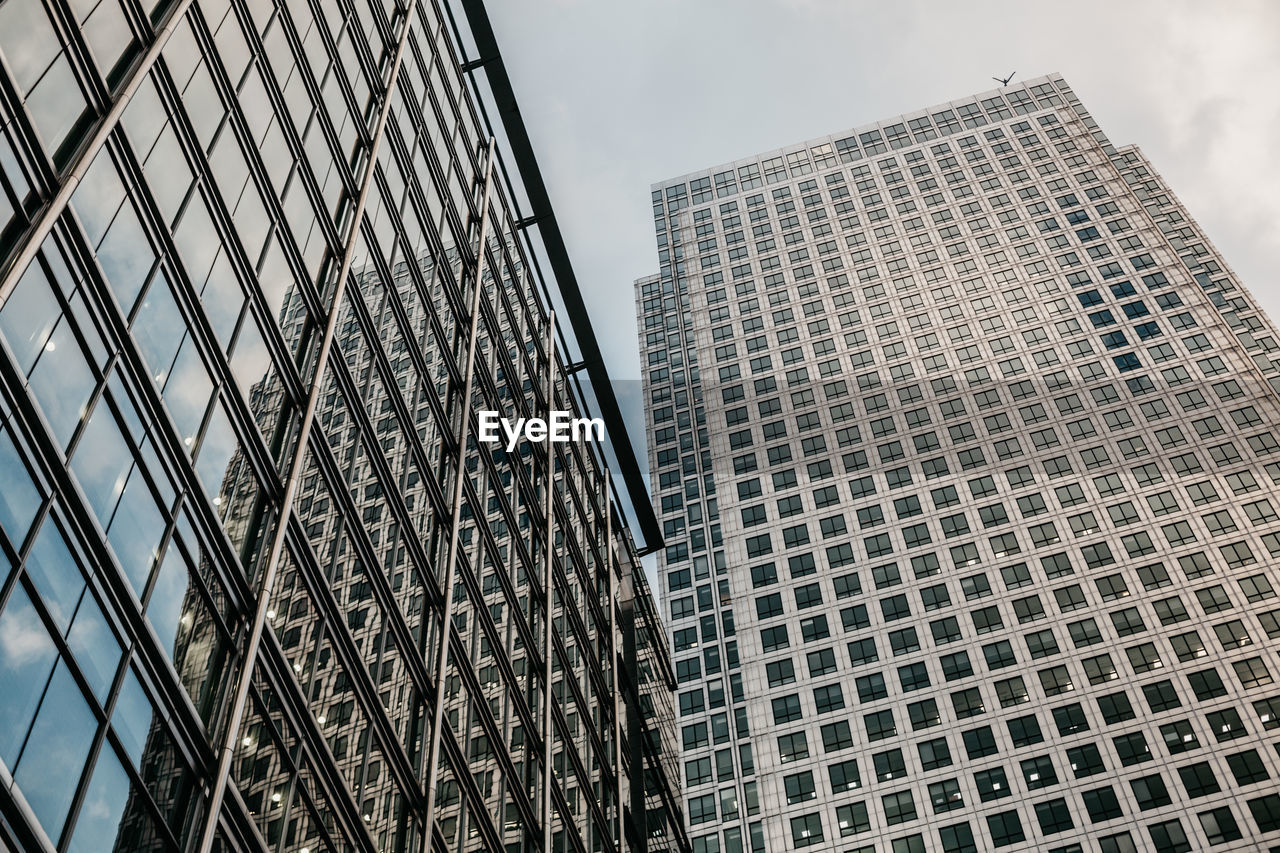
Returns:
point(260, 269)
point(963, 442)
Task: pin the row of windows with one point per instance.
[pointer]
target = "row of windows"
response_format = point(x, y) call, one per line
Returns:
point(1052, 817)
point(945, 122)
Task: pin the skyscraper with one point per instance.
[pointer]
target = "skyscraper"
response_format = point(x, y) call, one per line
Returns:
point(262, 586)
point(963, 439)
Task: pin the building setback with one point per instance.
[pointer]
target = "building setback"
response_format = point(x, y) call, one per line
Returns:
point(259, 271)
point(963, 440)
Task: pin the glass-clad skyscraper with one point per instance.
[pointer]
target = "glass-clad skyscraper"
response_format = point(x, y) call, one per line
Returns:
point(963, 440)
point(261, 586)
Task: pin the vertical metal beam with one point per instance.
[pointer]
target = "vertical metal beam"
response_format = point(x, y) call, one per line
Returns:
point(227, 752)
point(451, 561)
point(548, 577)
point(543, 214)
point(611, 596)
point(84, 159)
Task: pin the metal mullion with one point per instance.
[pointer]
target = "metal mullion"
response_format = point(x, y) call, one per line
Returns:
point(93, 82)
point(238, 125)
point(404, 161)
point(551, 709)
point(590, 467)
point(363, 134)
point(578, 626)
point(196, 320)
point(451, 214)
point(580, 770)
point(579, 702)
point(32, 162)
point(450, 63)
point(100, 709)
point(611, 595)
point(296, 468)
point(460, 474)
point(345, 648)
point(471, 794)
point(553, 245)
point(413, 445)
point(592, 667)
point(278, 676)
point(526, 558)
point(578, 557)
point(490, 727)
point(570, 829)
point(155, 660)
point(525, 252)
point(449, 285)
point(327, 465)
point(116, 332)
point(84, 158)
point(469, 578)
point(291, 134)
point(548, 587)
point(364, 55)
point(246, 836)
point(83, 529)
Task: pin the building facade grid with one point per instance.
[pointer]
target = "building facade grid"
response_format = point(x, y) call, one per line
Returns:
point(962, 438)
point(248, 252)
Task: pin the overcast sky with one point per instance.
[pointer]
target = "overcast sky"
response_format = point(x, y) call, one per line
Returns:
point(620, 95)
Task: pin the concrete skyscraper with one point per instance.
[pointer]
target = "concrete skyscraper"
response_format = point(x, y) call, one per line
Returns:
point(262, 585)
point(964, 441)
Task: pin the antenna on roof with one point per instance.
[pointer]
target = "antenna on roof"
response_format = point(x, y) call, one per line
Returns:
point(1005, 81)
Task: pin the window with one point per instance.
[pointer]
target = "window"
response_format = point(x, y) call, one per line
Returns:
point(979, 743)
point(851, 818)
point(1085, 760)
point(946, 795)
point(1070, 719)
point(1247, 768)
point(1144, 658)
point(844, 776)
point(992, 784)
point(799, 787)
point(1266, 812)
point(880, 725)
point(835, 737)
point(1132, 748)
point(1006, 828)
point(702, 809)
point(1056, 681)
point(898, 808)
point(1038, 772)
point(1102, 804)
point(1169, 837)
point(1116, 708)
point(956, 666)
point(1161, 696)
point(820, 662)
point(1054, 816)
point(1251, 672)
point(806, 830)
point(1150, 792)
point(889, 765)
point(792, 747)
point(968, 703)
point(1220, 825)
point(923, 714)
point(934, 753)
